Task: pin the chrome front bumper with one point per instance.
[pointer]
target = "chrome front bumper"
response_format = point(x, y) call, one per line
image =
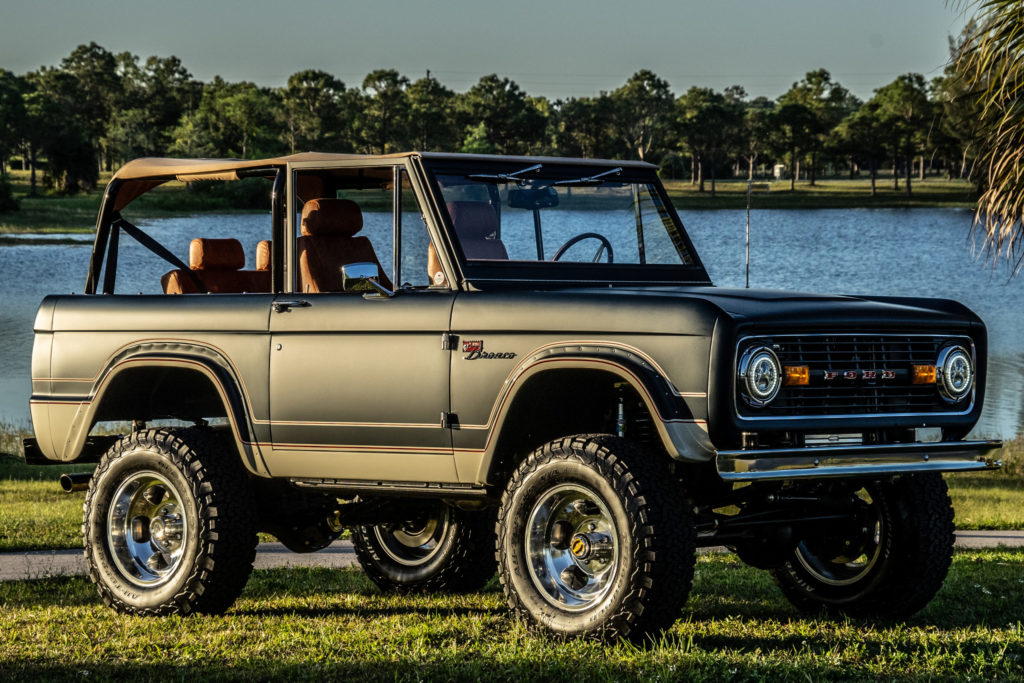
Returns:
point(857, 461)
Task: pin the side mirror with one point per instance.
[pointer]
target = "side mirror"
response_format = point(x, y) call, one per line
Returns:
point(362, 277)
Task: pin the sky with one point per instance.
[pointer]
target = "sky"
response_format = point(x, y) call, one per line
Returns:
point(556, 49)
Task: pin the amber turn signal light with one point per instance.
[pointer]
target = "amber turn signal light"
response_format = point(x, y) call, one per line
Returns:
point(796, 376)
point(923, 374)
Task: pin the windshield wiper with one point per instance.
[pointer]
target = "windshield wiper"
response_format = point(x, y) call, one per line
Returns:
point(590, 180)
point(512, 177)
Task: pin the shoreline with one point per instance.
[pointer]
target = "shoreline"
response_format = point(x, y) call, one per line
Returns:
point(77, 213)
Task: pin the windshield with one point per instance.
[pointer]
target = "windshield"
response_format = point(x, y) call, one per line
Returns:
point(563, 221)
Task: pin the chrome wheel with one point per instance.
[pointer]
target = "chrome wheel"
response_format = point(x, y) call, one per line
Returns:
point(416, 542)
point(846, 558)
point(572, 548)
point(147, 529)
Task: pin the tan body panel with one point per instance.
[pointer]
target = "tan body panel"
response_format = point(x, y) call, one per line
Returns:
point(358, 386)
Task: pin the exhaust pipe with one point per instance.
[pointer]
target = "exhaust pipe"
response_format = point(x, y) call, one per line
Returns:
point(77, 481)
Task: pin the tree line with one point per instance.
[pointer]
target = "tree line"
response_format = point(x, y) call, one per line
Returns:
point(98, 109)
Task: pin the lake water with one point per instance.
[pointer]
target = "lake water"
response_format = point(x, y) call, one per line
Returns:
point(903, 252)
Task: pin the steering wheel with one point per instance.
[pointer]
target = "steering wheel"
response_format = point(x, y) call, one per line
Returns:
point(605, 245)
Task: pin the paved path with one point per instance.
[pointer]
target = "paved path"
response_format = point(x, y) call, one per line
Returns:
point(37, 564)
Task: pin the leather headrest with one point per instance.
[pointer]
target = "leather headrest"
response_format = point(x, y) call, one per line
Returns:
point(263, 255)
point(341, 217)
point(227, 254)
point(473, 220)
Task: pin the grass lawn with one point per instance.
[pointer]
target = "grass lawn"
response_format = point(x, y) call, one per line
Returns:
point(46, 213)
point(36, 515)
point(315, 624)
point(77, 213)
point(839, 193)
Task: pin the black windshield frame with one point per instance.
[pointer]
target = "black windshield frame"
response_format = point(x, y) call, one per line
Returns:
point(489, 273)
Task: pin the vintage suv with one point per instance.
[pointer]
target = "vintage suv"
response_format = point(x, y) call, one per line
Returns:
point(483, 362)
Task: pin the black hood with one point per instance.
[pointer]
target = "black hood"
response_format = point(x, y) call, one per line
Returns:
point(767, 307)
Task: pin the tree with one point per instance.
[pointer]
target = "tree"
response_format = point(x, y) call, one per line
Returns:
point(794, 126)
point(55, 130)
point(826, 104)
point(511, 124)
point(432, 124)
point(906, 111)
point(863, 136)
point(12, 116)
point(708, 123)
point(642, 113)
point(385, 110)
point(991, 64)
point(313, 103)
point(582, 126)
point(247, 112)
point(97, 89)
point(757, 130)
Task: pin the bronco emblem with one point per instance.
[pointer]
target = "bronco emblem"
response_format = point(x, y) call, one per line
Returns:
point(475, 350)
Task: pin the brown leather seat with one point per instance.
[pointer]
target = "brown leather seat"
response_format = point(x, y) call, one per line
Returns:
point(328, 242)
point(263, 255)
point(434, 267)
point(476, 224)
point(217, 263)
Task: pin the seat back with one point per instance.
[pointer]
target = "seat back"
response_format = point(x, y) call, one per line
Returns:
point(476, 224)
point(263, 255)
point(329, 241)
point(217, 263)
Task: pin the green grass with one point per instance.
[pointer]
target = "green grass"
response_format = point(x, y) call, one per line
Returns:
point(36, 515)
point(826, 194)
point(47, 213)
point(314, 624)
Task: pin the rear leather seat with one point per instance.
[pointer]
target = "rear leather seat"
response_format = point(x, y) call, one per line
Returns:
point(217, 263)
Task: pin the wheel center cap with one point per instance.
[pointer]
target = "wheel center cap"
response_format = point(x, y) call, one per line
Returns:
point(580, 546)
point(165, 532)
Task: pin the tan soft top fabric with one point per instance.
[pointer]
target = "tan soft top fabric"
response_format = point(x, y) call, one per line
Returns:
point(142, 175)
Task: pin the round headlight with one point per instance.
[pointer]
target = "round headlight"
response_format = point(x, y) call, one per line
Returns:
point(955, 372)
point(760, 375)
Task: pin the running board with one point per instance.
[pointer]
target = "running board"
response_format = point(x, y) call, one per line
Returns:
point(394, 488)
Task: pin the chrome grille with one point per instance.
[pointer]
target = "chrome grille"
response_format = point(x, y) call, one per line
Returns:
point(890, 391)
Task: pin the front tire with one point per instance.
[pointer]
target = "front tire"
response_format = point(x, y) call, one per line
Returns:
point(594, 539)
point(888, 565)
point(168, 524)
point(441, 549)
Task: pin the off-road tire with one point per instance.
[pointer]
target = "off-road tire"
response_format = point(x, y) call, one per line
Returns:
point(220, 541)
point(462, 563)
point(915, 554)
point(656, 538)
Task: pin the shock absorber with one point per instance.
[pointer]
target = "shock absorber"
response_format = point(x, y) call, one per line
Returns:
point(620, 419)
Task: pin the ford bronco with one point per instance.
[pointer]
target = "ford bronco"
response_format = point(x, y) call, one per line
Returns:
point(484, 364)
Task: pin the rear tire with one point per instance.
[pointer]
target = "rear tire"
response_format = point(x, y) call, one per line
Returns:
point(443, 550)
point(594, 539)
point(900, 554)
point(168, 524)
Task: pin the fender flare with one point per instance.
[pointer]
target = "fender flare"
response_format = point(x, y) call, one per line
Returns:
point(683, 435)
point(203, 359)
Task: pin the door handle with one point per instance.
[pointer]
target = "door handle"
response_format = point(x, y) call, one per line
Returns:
point(285, 306)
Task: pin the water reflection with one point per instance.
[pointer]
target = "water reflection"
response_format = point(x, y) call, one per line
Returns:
point(918, 252)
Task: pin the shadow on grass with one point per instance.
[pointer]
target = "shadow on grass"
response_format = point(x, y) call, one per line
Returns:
point(985, 588)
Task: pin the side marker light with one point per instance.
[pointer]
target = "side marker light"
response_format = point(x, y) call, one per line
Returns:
point(923, 374)
point(796, 376)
